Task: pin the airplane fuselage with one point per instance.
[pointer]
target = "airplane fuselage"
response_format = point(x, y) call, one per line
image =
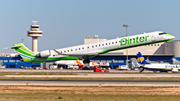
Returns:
point(161, 67)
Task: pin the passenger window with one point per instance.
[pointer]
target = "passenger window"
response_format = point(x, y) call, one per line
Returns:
point(102, 44)
point(96, 45)
point(76, 49)
point(79, 48)
point(116, 41)
point(83, 48)
point(112, 42)
point(99, 45)
point(88, 47)
point(109, 43)
point(92, 46)
point(106, 43)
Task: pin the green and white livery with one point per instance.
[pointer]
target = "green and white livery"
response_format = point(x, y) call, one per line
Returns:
point(93, 49)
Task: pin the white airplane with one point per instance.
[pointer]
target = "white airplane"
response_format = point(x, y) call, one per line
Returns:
point(165, 67)
point(86, 51)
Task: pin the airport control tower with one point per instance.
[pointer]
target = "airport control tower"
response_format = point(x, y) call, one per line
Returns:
point(34, 32)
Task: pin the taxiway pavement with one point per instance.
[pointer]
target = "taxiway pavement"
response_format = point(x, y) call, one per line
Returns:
point(101, 75)
point(88, 82)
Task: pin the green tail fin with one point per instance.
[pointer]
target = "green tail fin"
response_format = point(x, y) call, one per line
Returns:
point(24, 52)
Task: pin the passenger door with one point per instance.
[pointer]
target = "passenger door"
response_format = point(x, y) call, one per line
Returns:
point(153, 38)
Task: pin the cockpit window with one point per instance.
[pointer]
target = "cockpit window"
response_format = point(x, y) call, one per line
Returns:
point(162, 33)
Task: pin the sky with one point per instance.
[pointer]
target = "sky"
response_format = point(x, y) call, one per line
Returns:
point(65, 23)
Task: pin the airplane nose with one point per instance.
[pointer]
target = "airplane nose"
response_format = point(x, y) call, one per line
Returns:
point(169, 35)
point(173, 36)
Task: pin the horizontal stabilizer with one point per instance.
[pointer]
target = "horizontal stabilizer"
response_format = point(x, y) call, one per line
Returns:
point(7, 48)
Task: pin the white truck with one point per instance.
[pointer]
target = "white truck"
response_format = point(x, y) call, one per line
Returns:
point(123, 67)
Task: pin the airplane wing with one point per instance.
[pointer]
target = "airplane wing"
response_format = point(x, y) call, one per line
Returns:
point(79, 55)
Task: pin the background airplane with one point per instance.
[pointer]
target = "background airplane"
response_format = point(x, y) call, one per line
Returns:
point(162, 67)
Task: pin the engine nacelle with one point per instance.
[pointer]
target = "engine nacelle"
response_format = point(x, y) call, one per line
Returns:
point(43, 54)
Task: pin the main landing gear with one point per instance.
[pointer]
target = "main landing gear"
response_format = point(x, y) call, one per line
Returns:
point(86, 61)
point(86, 64)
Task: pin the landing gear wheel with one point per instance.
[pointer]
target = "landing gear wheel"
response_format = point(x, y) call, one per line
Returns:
point(86, 61)
point(86, 64)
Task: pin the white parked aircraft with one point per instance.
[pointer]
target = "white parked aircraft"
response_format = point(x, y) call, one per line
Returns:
point(86, 51)
point(162, 67)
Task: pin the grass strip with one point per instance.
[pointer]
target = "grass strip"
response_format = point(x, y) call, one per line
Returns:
point(85, 97)
point(60, 93)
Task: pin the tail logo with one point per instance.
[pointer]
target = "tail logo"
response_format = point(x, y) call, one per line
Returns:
point(94, 63)
point(140, 59)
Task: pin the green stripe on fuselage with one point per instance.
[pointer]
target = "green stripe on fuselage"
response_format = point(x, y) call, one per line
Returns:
point(49, 59)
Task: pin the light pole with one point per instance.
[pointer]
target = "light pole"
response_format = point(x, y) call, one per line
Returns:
point(126, 25)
